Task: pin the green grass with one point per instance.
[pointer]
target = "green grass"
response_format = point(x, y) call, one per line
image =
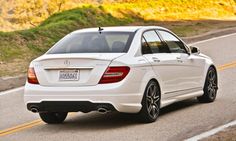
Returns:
point(18, 48)
point(32, 42)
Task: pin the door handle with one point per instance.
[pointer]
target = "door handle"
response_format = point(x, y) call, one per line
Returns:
point(179, 59)
point(155, 59)
point(141, 60)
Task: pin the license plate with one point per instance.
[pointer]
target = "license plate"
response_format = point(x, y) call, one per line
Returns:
point(69, 75)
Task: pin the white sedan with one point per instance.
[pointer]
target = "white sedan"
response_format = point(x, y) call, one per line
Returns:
point(126, 69)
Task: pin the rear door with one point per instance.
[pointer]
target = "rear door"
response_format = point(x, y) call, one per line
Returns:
point(163, 63)
point(188, 69)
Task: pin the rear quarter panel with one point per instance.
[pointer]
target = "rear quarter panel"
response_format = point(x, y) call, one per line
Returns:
point(141, 71)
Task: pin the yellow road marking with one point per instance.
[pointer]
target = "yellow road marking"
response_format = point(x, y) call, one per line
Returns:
point(38, 121)
point(24, 126)
point(20, 127)
point(226, 66)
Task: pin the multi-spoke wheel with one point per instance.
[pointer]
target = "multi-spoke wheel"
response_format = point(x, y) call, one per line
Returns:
point(150, 103)
point(210, 87)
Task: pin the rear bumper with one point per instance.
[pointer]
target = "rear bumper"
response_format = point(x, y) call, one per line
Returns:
point(117, 97)
point(69, 106)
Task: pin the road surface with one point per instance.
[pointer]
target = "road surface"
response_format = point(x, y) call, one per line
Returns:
point(176, 122)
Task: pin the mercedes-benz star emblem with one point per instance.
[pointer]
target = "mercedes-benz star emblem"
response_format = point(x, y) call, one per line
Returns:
point(67, 62)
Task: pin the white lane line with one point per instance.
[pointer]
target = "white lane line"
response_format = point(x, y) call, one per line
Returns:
point(15, 90)
point(211, 132)
point(211, 39)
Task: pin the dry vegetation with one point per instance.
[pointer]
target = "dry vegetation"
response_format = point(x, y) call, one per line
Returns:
point(23, 14)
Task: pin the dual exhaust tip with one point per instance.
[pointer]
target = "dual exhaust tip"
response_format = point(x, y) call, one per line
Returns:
point(101, 110)
point(34, 110)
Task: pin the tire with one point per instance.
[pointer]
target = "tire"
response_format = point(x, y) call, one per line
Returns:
point(210, 87)
point(53, 117)
point(150, 103)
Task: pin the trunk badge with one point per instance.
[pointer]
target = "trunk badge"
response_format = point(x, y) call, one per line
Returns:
point(67, 62)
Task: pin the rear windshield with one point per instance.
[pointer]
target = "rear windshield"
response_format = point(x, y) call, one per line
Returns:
point(94, 42)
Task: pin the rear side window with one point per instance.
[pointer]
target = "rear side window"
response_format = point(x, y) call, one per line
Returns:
point(94, 42)
point(151, 43)
point(174, 44)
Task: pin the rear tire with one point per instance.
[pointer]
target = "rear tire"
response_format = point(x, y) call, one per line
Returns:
point(150, 103)
point(210, 87)
point(53, 117)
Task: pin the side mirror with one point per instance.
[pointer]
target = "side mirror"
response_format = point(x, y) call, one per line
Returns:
point(195, 50)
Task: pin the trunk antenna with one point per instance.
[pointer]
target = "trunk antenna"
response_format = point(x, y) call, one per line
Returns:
point(100, 29)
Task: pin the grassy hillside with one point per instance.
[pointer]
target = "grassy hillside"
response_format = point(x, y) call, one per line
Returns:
point(18, 48)
point(23, 14)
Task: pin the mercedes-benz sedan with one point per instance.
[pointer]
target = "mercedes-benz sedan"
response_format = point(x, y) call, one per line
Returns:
point(125, 69)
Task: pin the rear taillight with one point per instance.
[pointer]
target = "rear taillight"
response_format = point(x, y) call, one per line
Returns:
point(32, 78)
point(114, 74)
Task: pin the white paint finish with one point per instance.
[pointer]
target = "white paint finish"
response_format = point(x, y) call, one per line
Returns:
point(175, 74)
point(178, 97)
point(91, 67)
point(172, 74)
point(164, 69)
point(211, 132)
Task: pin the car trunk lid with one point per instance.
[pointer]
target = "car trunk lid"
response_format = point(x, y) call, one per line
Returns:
point(81, 69)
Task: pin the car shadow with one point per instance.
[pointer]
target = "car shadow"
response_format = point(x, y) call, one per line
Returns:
point(175, 107)
point(95, 121)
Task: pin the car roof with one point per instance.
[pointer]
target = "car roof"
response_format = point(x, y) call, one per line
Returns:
point(119, 28)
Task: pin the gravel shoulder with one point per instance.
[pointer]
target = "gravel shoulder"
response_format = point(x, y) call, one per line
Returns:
point(229, 134)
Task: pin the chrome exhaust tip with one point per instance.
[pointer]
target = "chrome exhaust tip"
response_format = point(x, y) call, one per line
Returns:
point(34, 110)
point(103, 110)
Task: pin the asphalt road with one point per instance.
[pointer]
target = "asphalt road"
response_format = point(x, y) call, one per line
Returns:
point(176, 122)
